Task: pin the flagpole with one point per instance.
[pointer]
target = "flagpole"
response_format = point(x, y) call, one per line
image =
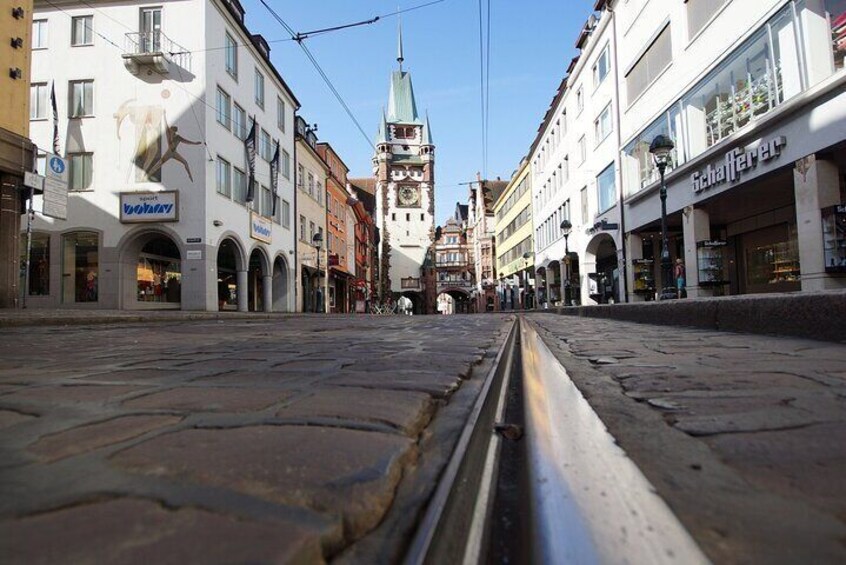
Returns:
point(29, 214)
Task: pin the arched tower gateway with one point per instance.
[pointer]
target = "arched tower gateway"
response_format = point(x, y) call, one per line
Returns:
point(404, 167)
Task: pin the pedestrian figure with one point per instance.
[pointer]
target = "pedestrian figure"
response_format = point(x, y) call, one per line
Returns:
point(679, 275)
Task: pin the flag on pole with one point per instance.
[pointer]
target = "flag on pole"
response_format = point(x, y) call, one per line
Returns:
point(274, 178)
point(250, 148)
point(55, 118)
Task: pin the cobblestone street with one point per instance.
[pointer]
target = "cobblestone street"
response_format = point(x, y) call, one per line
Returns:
point(743, 435)
point(166, 442)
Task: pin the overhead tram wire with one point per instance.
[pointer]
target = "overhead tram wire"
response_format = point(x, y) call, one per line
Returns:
point(320, 71)
point(488, 92)
point(482, 91)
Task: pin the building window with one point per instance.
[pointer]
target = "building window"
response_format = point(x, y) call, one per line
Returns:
point(606, 189)
point(404, 132)
point(582, 150)
point(80, 172)
point(286, 164)
point(38, 102)
point(81, 98)
point(81, 30)
point(602, 124)
point(303, 227)
point(231, 53)
point(319, 188)
point(584, 196)
point(239, 186)
point(259, 87)
point(265, 147)
point(657, 57)
point(580, 100)
point(310, 184)
point(266, 204)
point(699, 13)
point(311, 231)
point(223, 178)
point(600, 68)
point(80, 267)
point(286, 214)
point(280, 114)
point(239, 122)
point(39, 34)
point(224, 108)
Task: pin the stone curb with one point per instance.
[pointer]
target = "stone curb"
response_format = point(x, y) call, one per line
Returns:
point(99, 317)
point(818, 315)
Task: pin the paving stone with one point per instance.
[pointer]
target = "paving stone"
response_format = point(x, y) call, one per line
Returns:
point(435, 383)
point(9, 418)
point(408, 411)
point(355, 478)
point(70, 394)
point(93, 436)
point(210, 399)
point(133, 531)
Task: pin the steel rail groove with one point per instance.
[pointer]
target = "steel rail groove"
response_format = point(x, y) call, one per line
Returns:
point(591, 504)
point(581, 499)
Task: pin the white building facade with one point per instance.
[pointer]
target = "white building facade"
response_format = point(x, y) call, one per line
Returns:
point(152, 118)
point(575, 177)
point(753, 96)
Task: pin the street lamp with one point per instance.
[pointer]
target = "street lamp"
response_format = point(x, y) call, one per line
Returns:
point(660, 148)
point(317, 241)
point(526, 257)
point(566, 228)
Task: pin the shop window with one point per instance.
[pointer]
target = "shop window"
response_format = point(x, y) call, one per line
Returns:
point(835, 11)
point(639, 170)
point(159, 274)
point(80, 267)
point(39, 267)
point(756, 78)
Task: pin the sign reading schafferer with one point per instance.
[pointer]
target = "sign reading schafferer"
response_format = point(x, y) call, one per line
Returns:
point(735, 163)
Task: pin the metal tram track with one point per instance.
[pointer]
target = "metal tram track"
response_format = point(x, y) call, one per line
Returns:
point(536, 478)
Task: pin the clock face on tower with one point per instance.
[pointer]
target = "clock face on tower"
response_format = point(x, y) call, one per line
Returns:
point(408, 196)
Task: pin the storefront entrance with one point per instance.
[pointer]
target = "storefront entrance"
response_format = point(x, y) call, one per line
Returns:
point(255, 282)
point(227, 275)
point(80, 267)
point(159, 273)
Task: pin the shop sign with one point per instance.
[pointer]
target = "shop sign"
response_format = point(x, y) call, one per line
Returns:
point(260, 228)
point(712, 243)
point(194, 254)
point(139, 207)
point(736, 162)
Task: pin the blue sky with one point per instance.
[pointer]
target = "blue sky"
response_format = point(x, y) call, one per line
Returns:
point(531, 46)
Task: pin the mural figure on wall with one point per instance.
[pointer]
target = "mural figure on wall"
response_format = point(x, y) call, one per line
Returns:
point(148, 157)
point(174, 139)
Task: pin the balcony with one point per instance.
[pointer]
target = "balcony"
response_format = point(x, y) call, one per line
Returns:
point(153, 49)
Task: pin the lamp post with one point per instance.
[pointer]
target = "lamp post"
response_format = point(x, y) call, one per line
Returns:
point(526, 257)
point(317, 241)
point(566, 228)
point(660, 148)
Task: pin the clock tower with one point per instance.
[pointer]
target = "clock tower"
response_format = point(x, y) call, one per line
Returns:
point(404, 166)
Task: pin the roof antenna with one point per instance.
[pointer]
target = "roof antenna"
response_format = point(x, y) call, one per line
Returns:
point(400, 58)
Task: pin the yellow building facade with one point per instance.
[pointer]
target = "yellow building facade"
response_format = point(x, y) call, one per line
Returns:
point(15, 147)
point(514, 241)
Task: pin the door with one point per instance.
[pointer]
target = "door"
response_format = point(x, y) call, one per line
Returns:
point(151, 30)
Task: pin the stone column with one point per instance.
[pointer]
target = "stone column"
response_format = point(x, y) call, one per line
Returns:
point(243, 295)
point(10, 223)
point(267, 292)
point(696, 226)
point(634, 251)
point(816, 186)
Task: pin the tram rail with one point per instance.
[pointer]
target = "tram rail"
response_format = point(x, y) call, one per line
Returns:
point(537, 478)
